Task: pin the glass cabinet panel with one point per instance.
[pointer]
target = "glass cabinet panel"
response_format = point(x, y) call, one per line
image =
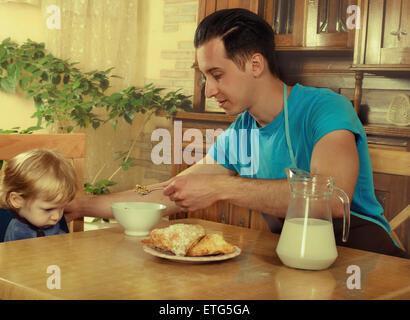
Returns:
point(332, 16)
point(287, 18)
point(284, 13)
point(326, 24)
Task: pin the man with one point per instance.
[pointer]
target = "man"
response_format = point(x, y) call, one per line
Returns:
point(282, 126)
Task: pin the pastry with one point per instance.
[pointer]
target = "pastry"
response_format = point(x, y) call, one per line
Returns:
point(209, 245)
point(188, 240)
point(177, 238)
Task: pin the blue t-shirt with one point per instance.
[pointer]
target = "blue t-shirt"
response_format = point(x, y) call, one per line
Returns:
point(263, 153)
point(13, 229)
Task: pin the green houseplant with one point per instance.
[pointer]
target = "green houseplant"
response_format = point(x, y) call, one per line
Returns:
point(69, 97)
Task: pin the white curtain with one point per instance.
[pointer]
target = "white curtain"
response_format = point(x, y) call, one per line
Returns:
point(97, 33)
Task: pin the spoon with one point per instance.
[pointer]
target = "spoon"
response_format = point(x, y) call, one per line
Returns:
point(145, 192)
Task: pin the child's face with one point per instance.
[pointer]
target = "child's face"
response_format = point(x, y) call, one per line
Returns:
point(41, 213)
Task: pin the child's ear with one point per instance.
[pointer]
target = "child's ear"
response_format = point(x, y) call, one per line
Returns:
point(16, 200)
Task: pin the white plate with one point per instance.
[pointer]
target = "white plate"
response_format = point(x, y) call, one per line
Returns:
point(170, 256)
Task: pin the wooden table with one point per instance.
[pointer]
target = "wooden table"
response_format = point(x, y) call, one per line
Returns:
point(106, 264)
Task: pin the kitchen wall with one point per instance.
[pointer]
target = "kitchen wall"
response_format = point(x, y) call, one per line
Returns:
point(170, 56)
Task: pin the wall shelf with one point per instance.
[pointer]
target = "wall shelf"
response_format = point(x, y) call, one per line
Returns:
point(381, 67)
point(388, 131)
point(345, 50)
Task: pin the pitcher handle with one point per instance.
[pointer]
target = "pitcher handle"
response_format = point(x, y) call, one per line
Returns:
point(346, 212)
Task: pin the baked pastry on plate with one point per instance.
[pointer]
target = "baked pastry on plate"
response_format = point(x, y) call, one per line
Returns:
point(210, 244)
point(188, 240)
point(177, 238)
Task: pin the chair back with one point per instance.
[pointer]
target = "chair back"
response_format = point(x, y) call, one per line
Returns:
point(390, 161)
point(73, 146)
point(395, 162)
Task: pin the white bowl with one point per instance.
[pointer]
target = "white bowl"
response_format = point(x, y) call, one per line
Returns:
point(137, 218)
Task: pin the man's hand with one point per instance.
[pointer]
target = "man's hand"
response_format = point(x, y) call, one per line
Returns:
point(194, 191)
point(71, 211)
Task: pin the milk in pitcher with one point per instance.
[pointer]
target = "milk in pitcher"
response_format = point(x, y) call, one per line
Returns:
point(307, 244)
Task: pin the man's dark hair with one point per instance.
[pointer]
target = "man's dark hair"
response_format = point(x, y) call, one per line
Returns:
point(243, 34)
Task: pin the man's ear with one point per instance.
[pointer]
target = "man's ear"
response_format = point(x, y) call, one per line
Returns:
point(16, 200)
point(257, 64)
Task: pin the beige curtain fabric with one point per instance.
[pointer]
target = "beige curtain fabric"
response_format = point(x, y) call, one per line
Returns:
point(97, 33)
point(100, 34)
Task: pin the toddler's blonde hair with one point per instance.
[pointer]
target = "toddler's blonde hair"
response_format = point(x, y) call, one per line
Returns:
point(38, 174)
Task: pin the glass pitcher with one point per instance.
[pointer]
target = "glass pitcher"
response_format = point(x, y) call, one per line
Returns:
point(307, 239)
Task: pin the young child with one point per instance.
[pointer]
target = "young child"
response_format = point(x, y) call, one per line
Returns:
point(35, 187)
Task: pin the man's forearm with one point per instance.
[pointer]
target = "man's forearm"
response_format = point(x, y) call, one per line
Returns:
point(268, 196)
point(100, 205)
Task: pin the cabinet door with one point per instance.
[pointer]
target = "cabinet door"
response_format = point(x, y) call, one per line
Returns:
point(388, 32)
point(327, 24)
point(206, 7)
point(239, 216)
point(393, 193)
point(257, 222)
point(287, 18)
point(396, 33)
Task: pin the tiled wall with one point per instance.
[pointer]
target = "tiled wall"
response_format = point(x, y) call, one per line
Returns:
point(179, 23)
point(173, 71)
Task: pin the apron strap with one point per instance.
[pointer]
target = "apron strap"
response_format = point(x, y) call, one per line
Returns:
point(288, 141)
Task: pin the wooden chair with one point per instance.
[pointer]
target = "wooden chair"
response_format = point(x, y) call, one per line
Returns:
point(394, 162)
point(73, 146)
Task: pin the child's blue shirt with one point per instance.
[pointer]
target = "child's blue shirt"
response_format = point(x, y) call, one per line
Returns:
point(13, 228)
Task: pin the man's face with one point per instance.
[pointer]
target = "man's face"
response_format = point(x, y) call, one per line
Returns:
point(229, 85)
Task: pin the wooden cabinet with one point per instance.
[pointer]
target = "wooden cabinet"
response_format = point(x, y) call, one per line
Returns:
point(383, 40)
point(329, 24)
point(392, 186)
point(395, 42)
point(297, 23)
point(288, 20)
point(382, 44)
point(310, 24)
